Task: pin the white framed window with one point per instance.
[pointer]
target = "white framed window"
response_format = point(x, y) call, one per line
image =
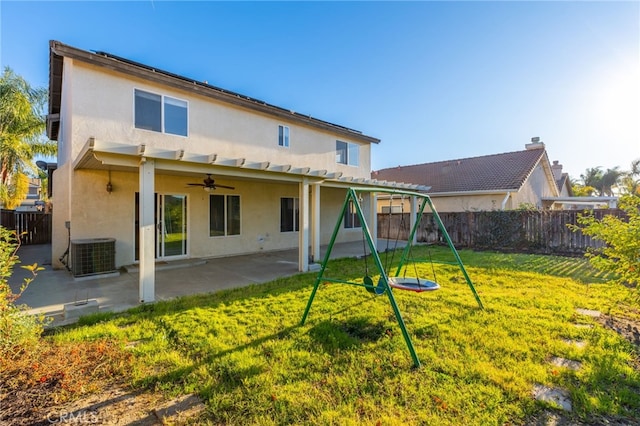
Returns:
point(160, 113)
point(351, 219)
point(224, 215)
point(347, 153)
point(283, 136)
point(289, 213)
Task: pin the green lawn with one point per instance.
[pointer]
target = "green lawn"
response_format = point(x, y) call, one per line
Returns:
point(245, 354)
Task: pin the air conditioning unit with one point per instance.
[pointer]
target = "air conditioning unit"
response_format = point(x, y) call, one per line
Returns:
point(93, 256)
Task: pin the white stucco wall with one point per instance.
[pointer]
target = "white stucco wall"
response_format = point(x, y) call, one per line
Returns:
point(98, 214)
point(214, 127)
point(471, 202)
point(534, 189)
point(99, 104)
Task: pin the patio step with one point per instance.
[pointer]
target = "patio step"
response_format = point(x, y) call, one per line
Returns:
point(166, 265)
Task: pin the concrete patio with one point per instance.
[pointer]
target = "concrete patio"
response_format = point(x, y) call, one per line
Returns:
point(52, 289)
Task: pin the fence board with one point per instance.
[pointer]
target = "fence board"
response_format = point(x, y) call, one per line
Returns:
point(528, 231)
point(33, 227)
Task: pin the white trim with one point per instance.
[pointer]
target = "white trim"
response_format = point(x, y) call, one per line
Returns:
point(147, 231)
point(303, 235)
point(127, 155)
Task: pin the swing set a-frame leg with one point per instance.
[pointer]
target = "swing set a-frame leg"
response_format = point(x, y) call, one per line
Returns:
point(403, 327)
point(351, 196)
point(327, 255)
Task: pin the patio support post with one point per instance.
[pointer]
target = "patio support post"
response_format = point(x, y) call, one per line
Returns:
point(315, 222)
point(413, 217)
point(373, 217)
point(303, 234)
point(147, 231)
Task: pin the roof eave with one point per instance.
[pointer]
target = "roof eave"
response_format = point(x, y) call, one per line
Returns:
point(478, 192)
point(200, 88)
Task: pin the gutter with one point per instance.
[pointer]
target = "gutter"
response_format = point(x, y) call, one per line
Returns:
point(462, 193)
point(504, 202)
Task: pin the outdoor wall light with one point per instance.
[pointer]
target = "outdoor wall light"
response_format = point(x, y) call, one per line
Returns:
point(109, 185)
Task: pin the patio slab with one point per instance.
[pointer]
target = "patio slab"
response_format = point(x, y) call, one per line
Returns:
point(52, 289)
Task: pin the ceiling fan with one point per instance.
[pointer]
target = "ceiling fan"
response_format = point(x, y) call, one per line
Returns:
point(209, 184)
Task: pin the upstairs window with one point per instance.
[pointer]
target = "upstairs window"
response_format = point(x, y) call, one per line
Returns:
point(289, 212)
point(283, 136)
point(160, 113)
point(347, 153)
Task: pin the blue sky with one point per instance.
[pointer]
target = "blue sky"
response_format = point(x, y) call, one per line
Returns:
point(433, 80)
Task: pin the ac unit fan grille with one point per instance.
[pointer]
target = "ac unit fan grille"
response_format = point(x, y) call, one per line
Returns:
point(93, 256)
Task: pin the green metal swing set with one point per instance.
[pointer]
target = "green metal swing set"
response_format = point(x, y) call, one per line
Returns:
point(387, 282)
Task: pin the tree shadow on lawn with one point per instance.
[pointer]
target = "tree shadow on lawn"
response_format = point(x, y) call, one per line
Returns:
point(333, 336)
point(336, 335)
point(230, 378)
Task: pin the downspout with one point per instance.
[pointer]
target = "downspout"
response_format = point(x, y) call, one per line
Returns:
point(504, 202)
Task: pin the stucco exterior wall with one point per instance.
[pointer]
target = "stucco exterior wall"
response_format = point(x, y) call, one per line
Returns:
point(61, 178)
point(214, 127)
point(99, 103)
point(534, 189)
point(98, 214)
point(471, 203)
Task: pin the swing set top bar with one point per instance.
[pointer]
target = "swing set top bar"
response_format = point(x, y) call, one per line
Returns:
point(391, 191)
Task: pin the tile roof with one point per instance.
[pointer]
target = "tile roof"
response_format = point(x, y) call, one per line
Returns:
point(564, 180)
point(497, 172)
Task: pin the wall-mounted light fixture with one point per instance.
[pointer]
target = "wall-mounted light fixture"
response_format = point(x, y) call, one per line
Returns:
point(109, 185)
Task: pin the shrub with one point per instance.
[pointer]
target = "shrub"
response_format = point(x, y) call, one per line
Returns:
point(621, 254)
point(19, 331)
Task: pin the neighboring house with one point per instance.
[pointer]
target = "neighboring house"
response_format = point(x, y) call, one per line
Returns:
point(566, 201)
point(32, 203)
point(562, 180)
point(132, 141)
point(505, 181)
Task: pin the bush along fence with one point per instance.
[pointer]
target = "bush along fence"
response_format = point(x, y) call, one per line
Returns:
point(543, 231)
point(33, 227)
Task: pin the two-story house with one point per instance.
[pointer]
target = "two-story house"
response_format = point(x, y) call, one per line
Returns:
point(175, 168)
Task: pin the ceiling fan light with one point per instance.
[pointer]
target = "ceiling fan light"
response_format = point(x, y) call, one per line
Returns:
point(207, 188)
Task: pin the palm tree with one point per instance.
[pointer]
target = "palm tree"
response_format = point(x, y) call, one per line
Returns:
point(22, 125)
point(592, 178)
point(578, 189)
point(630, 182)
point(610, 179)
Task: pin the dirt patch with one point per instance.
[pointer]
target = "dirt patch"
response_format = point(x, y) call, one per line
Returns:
point(627, 328)
point(83, 383)
point(118, 406)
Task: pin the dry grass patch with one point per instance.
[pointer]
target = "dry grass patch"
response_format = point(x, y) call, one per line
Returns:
point(35, 381)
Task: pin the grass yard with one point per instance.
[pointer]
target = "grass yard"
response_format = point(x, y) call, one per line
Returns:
point(245, 354)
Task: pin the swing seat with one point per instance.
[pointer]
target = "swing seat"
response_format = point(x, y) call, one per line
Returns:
point(413, 284)
point(373, 289)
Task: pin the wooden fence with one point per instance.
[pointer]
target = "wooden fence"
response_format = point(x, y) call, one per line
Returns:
point(526, 231)
point(33, 227)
